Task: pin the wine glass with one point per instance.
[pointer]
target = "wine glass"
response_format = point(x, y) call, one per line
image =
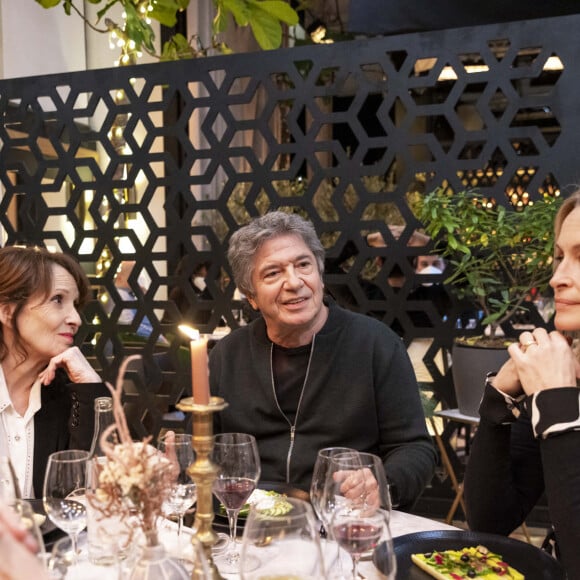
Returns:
point(375, 478)
point(64, 492)
point(26, 514)
point(355, 491)
point(332, 491)
point(9, 488)
point(285, 545)
point(359, 529)
point(238, 470)
point(63, 561)
point(321, 467)
point(177, 447)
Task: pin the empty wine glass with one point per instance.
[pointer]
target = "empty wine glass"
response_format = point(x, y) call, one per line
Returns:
point(319, 474)
point(9, 488)
point(64, 492)
point(64, 563)
point(26, 514)
point(333, 490)
point(375, 478)
point(285, 545)
point(178, 448)
point(238, 470)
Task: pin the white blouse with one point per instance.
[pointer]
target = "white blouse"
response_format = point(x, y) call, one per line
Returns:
point(17, 434)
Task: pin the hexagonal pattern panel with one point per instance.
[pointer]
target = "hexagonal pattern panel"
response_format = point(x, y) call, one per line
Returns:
point(159, 164)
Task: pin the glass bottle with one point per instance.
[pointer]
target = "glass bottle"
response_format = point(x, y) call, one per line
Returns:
point(103, 418)
point(104, 532)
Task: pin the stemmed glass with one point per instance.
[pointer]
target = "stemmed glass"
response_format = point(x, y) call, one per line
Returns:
point(319, 475)
point(377, 487)
point(178, 448)
point(358, 530)
point(9, 489)
point(358, 521)
point(64, 492)
point(285, 546)
point(238, 470)
point(26, 514)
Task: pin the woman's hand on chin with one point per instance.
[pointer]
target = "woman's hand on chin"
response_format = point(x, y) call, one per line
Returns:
point(75, 365)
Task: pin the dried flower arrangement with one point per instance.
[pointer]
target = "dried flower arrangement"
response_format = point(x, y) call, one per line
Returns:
point(134, 478)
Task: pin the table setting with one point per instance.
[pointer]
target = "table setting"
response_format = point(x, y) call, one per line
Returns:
point(133, 498)
point(257, 539)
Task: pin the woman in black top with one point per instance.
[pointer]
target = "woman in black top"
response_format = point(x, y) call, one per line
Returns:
point(528, 440)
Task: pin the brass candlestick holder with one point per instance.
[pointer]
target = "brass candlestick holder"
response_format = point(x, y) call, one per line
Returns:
point(203, 472)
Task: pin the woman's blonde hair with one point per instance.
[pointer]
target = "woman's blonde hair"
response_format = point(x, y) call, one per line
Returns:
point(568, 206)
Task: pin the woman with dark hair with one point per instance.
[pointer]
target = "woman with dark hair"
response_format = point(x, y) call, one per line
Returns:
point(528, 440)
point(47, 387)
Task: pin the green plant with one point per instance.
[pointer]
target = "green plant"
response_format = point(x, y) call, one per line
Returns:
point(497, 255)
point(265, 18)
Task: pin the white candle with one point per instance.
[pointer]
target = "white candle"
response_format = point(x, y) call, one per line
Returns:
point(199, 366)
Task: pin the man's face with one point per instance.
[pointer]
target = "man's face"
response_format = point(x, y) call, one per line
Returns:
point(288, 287)
point(429, 261)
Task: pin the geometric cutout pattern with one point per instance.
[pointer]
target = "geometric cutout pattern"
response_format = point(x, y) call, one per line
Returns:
point(158, 164)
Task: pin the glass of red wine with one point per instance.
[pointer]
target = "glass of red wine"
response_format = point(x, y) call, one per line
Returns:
point(359, 520)
point(238, 470)
point(357, 532)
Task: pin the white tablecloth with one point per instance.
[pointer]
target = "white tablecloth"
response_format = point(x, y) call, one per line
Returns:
point(401, 523)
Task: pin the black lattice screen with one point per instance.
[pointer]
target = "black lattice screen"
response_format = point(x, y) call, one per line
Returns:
point(155, 162)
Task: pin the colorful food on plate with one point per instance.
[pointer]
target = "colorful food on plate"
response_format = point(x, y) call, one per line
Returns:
point(270, 503)
point(470, 562)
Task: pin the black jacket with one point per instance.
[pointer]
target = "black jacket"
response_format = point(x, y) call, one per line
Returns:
point(361, 392)
point(65, 420)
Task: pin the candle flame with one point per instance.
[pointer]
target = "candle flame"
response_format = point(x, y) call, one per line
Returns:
point(189, 331)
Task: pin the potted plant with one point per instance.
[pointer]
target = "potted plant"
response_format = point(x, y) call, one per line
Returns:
point(497, 257)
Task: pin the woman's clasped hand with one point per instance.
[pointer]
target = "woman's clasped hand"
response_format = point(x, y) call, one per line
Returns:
point(533, 358)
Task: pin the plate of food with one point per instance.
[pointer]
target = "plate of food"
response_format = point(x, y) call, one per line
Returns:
point(269, 496)
point(453, 555)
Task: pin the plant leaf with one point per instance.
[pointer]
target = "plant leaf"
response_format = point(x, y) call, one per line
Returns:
point(138, 30)
point(266, 28)
point(165, 12)
point(48, 3)
point(238, 8)
point(278, 9)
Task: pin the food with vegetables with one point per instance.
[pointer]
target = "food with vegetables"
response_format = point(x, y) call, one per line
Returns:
point(270, 503)
point(470, 562)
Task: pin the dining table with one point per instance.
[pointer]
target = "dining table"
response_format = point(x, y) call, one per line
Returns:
point(401, 523)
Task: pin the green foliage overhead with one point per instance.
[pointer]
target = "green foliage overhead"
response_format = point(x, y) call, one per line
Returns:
point(264, 17)
point(497, 255)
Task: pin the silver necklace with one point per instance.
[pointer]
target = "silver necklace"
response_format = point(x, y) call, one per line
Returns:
point(290, 424)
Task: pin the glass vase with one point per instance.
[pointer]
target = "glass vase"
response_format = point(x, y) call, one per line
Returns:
point(155, 563)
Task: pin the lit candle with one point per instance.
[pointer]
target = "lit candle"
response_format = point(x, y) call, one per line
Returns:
point(199, 368)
